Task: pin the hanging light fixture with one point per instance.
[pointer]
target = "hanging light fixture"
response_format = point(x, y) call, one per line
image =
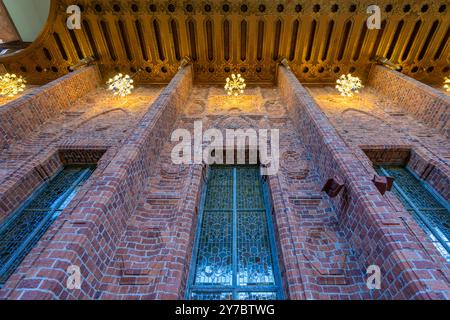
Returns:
point(348, 85)
point(11, 85)
point(121, 85)
point(235, 85)
point(447, 84)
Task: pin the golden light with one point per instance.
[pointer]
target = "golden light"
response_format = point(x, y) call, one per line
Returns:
point(447, 84)
point(348, 85)
point(11, 85)
point(235, 86)
point(121, 85)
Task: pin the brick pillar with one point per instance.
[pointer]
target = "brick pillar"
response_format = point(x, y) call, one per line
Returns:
point(377, 235)
point(89, 237)
point(421, 101)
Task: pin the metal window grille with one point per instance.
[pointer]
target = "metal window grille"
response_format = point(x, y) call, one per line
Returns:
point(431, 211)
point(25, 227)
point(234, 253)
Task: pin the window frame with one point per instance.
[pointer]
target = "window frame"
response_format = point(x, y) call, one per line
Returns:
point(235, 289)
point(24, 249)
point(423, 219)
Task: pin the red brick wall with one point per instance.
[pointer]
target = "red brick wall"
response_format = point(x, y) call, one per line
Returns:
point(131, 227)
point(423, 102)
point(89, 236)
point(20, 117)
point(374, 230)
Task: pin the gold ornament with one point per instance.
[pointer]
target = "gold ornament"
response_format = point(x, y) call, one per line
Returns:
point(235, 85)
point(11, 85)
point(348, 85)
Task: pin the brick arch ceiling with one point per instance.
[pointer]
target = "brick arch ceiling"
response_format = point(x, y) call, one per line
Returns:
point(321, 39)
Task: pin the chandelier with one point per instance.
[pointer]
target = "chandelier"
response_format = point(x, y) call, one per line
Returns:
point(235, 86)
point(348, 85)
point(121, 85)
point(447, 84)
point(11, 85)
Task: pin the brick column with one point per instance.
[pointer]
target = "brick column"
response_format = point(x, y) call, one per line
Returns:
point(421, 101)
point(89, 237)
point(369, 223)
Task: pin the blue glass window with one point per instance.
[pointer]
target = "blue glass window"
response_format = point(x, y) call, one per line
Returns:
point(23, 229)
point(235, 253)
point(431, 211)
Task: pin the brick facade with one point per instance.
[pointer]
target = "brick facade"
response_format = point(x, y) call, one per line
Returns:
point(427, 104)
point(132, 225)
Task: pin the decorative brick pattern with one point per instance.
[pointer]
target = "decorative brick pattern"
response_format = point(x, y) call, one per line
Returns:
point(20, 117)
point(387, 134)
point(89, 236)
point(429, 105)
point(131, 227)
point(377, 234)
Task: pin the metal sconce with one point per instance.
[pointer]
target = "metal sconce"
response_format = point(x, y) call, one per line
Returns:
point(83, 62)
point(383, 183)
point(333, 187)
point(385, 62)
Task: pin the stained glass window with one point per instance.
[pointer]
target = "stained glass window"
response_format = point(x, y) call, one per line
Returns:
point(235, 253)
point(21, 232)
point(431, 212)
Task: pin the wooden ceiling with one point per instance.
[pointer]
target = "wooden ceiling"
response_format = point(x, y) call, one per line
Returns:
point(321, 39)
